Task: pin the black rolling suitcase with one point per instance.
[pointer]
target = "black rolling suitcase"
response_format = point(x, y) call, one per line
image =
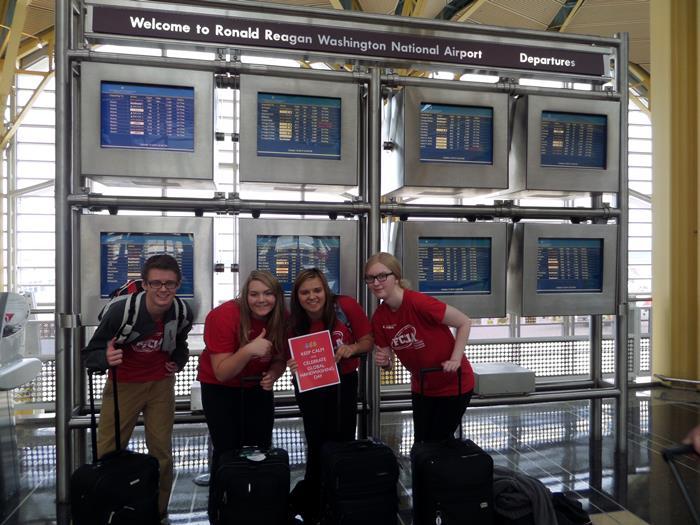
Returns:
point(452, 479)
point(669, 455)
point(118, 489)
point(358, 482)
point(251, 485)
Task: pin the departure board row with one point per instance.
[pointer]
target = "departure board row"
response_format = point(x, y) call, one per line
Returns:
point(298, 126)
point(454, 265)
point(461, 134)
point(122, 255)
point(573, 139)
point(140, 116)
point(569, 265)
point(286, 255)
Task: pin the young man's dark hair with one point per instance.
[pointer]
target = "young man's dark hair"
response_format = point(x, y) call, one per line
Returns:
point(162, 261)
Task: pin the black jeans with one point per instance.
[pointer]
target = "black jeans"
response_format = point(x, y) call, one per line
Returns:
point(437, 418)
point(236, 417)
point(324, 422)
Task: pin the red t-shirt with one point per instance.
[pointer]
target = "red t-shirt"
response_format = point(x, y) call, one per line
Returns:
point(416, 334)
point(221, 336)
point(342, 335)
point(143, 360)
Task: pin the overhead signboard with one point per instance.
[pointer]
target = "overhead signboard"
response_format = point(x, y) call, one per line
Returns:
point(159, 22)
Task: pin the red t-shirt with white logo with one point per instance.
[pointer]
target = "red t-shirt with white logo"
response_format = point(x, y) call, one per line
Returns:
point(344, 335)
point(143, 360)
point(221, 336)
point(419, 339)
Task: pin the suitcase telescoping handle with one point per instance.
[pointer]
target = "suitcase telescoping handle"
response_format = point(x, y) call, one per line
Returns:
point(424, 371)
point(669, 455)
point(244, 380)
point(93, 417)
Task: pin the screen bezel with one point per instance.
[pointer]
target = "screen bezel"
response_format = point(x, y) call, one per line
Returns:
point(146, 166)
point(491, 304)
point(347, 230)
point(92, 225)
point(290, 171)
point(455, 175)
point(571, 178)
point(523, 298)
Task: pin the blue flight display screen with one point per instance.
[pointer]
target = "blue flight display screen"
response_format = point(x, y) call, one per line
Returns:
point(454, 265)
point(569, 265)
point(456, 134)
point(145, 116)
point(286, 255)
point(123, 254)
point(298, 126)
point(573, 139)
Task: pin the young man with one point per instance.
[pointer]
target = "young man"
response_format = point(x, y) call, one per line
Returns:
point(146, 364)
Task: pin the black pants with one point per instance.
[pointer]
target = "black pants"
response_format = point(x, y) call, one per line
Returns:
point(323, 422)
point(437, 418)
point(230, 429)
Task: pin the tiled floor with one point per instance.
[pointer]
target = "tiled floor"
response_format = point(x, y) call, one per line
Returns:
point(549, 441)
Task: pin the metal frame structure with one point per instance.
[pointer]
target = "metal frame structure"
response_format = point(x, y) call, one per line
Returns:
point(73, 27)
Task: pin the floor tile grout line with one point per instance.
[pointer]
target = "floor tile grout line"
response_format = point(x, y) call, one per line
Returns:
point(602, 512)
point(679, 462)
point(28, 495)
point(535, 451)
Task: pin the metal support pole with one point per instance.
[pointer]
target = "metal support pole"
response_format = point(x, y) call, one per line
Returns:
point(596, 333)
point(373, 223)
point(622, 299)
point(63, 251)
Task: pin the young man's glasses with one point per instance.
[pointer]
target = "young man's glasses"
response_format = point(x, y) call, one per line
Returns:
point(157, 285)
point(380, 277)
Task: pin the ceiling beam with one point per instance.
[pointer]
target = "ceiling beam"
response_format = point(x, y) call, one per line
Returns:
point(565, 16)
point(5, 139)
point(469, 11)
point(7, 74)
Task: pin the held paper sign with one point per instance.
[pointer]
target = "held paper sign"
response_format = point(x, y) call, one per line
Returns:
point(315, 360)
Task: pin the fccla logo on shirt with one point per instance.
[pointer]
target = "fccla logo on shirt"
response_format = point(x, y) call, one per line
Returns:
point(406, 338)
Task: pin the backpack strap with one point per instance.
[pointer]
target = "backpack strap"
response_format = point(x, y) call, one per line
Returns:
point(131, 308)
point(340, 315)
point(180, 313)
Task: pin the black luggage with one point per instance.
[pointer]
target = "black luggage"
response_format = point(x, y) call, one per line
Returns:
point(452, 479)
point(118, 489)
point(358, 483)
point(669, 455)
point(251, 485)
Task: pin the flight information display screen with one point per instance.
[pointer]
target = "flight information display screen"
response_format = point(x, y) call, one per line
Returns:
point(569, 265)
point(286, 255)
point(456, 134)
point(573, 139)
point(298, 126)
point(123, 254)
point(145, 116)
point(454, 265)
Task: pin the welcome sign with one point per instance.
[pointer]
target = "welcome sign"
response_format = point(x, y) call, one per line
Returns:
point(234, 31)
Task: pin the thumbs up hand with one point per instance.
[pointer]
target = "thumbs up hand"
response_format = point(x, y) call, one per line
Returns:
point(259, 347)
